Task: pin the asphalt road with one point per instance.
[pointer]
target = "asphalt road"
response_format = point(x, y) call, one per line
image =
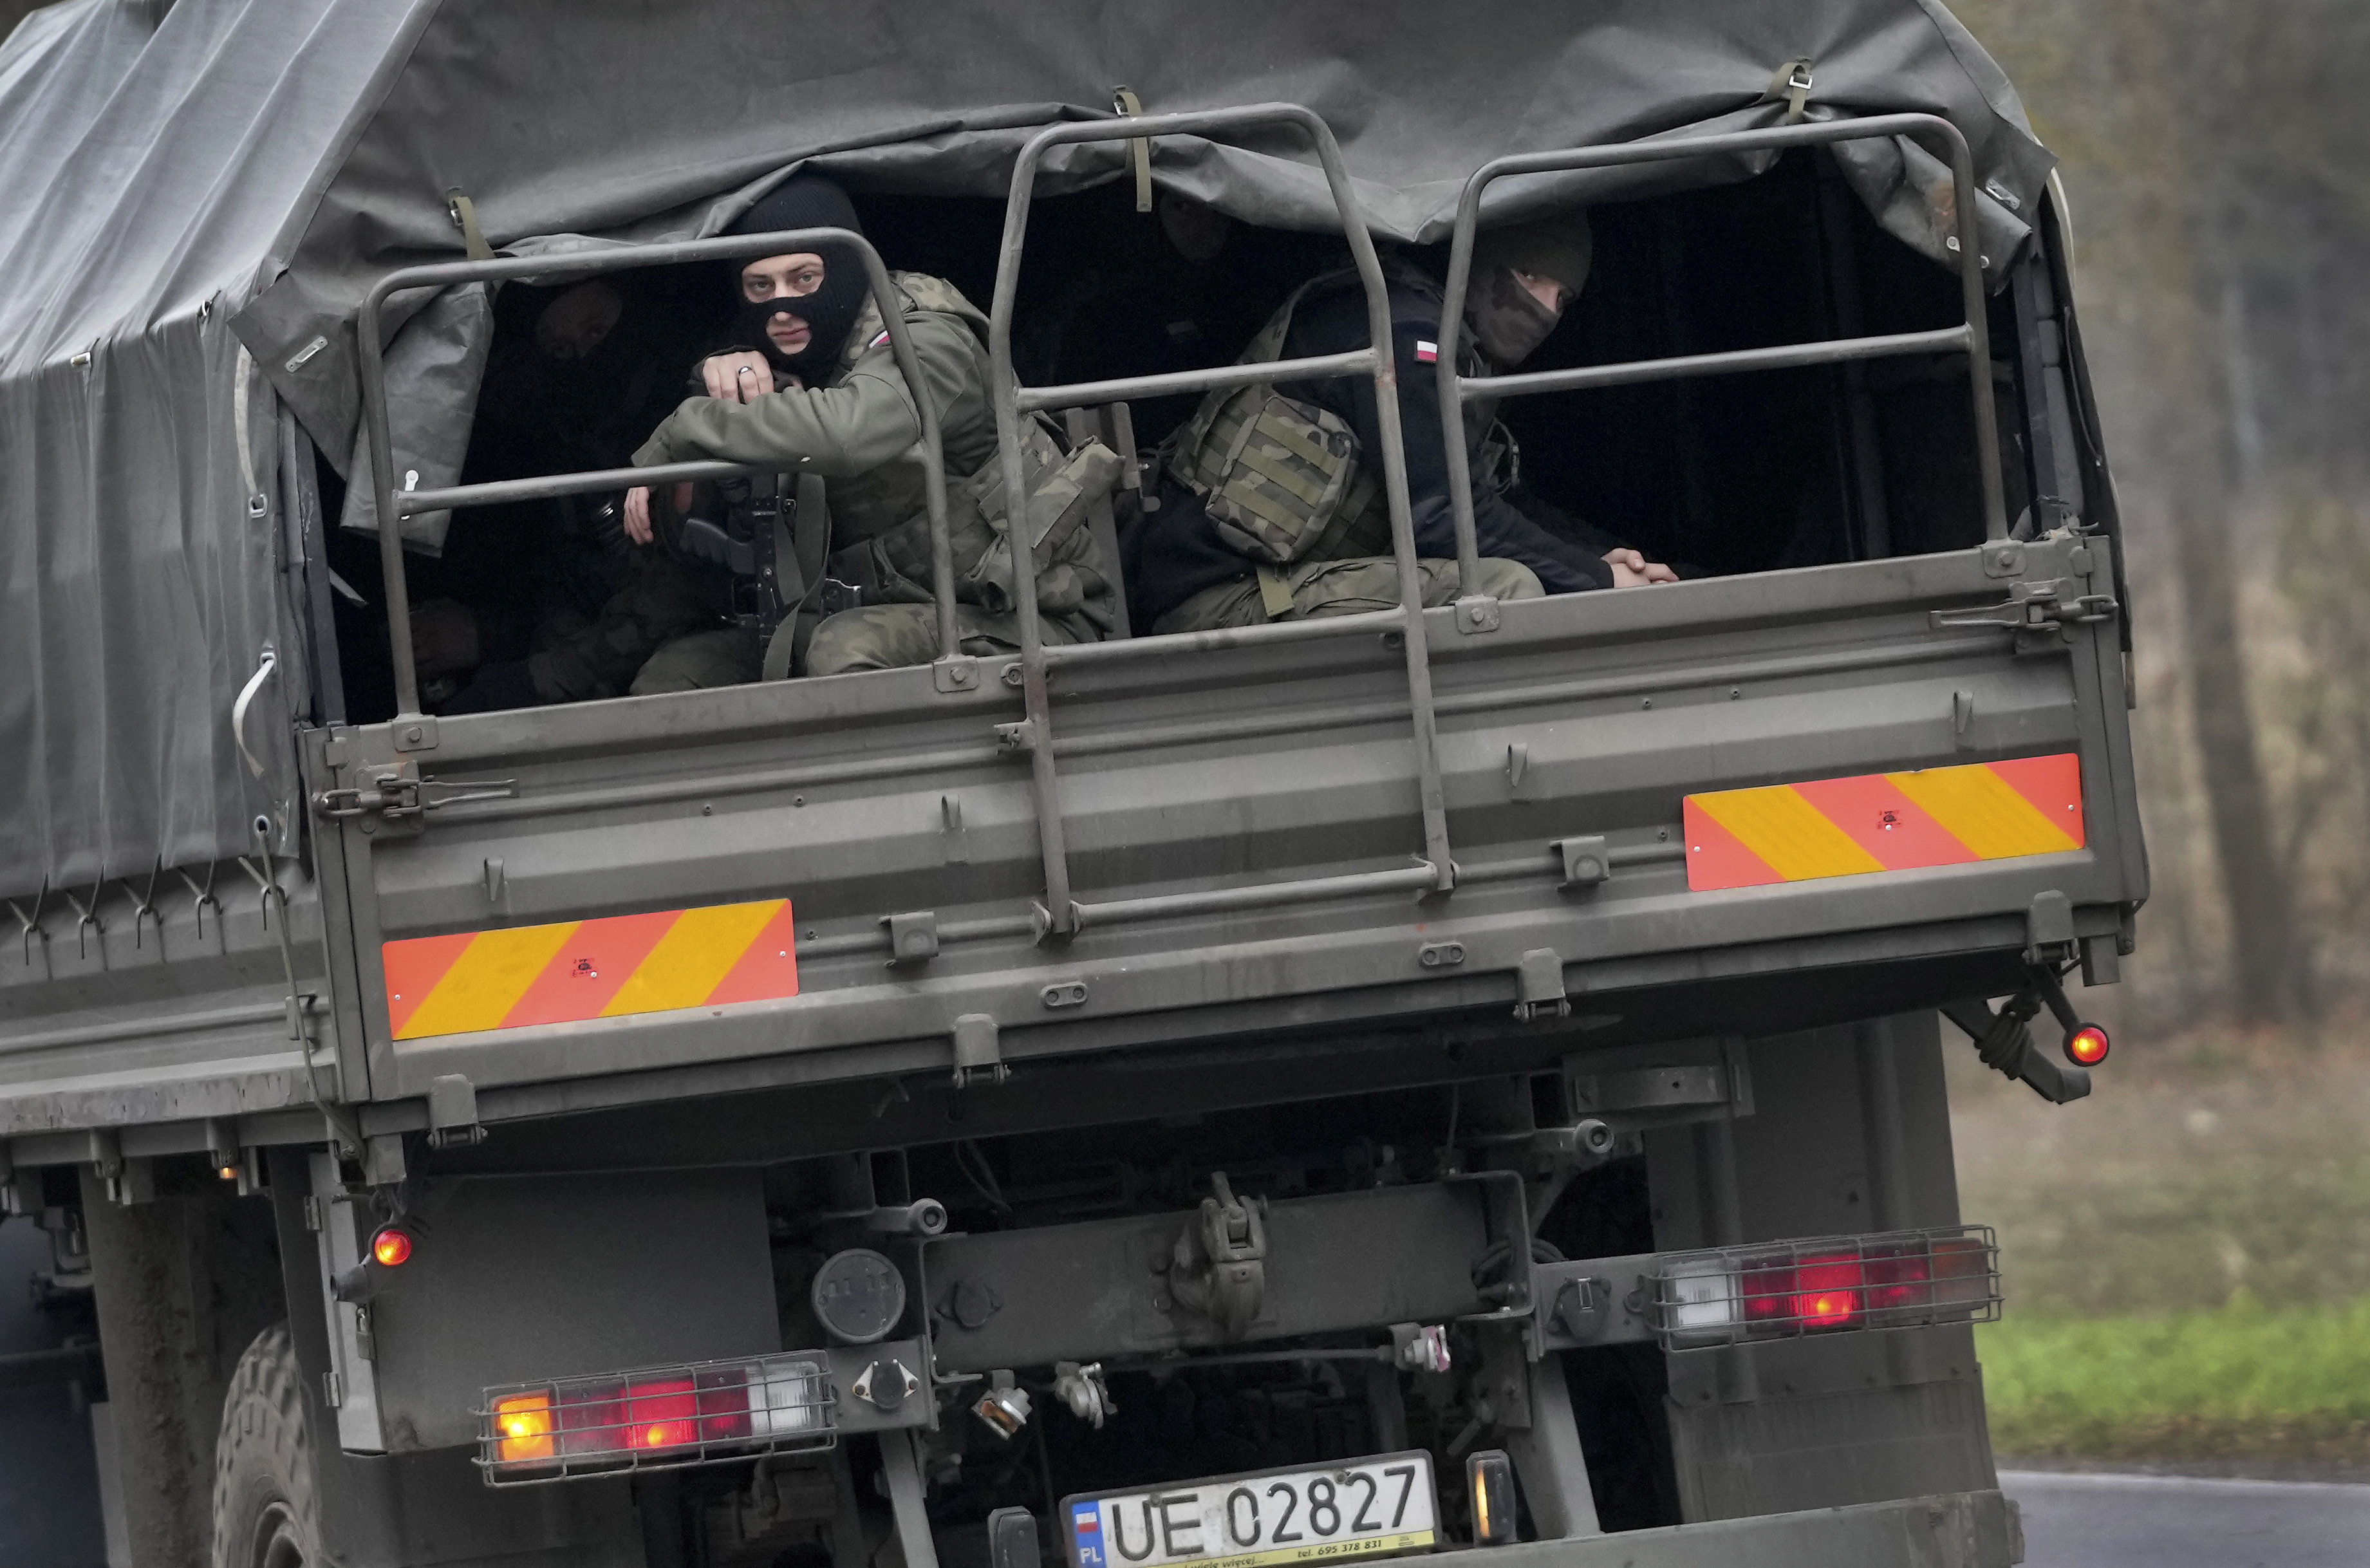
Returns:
point(2162, 1521)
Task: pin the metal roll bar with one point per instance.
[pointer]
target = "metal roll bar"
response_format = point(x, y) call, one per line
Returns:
point(1063, 915)
point(395, 505)
point(1972, 338)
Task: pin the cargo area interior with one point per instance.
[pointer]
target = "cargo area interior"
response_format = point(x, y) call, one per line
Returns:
point(1731, 474)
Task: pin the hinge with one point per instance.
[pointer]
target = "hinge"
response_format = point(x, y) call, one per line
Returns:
point(452, 1112)
point(312, 1212)
point(978, 1052)
point(1538, 987)
point(333, 1391)
point(913, 938)
point(1587, 862)
point(2049, 929)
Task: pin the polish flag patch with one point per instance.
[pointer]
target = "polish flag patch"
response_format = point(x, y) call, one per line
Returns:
point(879, 340)
point(1426, 354)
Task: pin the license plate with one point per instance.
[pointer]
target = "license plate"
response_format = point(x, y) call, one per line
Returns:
point(1363, 1508)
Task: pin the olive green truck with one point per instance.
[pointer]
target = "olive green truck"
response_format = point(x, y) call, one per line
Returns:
point(1440, 1080)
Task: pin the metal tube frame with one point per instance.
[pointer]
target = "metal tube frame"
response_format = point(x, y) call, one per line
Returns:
point(395, 505)
point(1434, 871)
point(1064, 916)
point(1972, 338)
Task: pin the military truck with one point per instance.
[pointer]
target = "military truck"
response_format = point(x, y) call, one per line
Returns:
point(1429, 1080)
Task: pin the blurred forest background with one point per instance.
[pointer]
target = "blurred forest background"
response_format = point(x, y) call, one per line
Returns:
point(2187, 1252)
point(2217, 155)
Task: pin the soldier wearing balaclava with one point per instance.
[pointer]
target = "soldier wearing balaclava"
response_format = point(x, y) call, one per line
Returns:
point(1188, 577)
point(811, 385)
point(1507, 309)
point(803, 201)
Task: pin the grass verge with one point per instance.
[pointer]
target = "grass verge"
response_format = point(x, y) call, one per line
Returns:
point(2240, 1380)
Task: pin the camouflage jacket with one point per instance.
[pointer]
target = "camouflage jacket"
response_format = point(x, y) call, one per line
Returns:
point(862, 434)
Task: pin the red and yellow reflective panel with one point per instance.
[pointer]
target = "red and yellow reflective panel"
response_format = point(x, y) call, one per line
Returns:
point(1884, 822)
point(581, 969)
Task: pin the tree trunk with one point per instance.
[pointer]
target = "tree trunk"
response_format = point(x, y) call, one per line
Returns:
point(2270, 983)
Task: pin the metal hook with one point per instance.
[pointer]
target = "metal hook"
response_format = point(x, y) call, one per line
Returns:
point(264, 667)
point(32, 924)
point(90, 922)
point(203, 894)
point(144, 908)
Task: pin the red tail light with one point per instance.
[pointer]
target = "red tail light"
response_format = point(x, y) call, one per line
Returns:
point(668, 1412)
point(1903, 1279)
point(1824, 1291)
point(2087, 1045)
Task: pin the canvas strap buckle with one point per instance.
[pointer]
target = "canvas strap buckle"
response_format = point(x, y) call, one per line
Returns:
point(1792, 86)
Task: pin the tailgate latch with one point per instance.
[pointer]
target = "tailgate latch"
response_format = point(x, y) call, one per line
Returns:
point(2035, 610)
point(1218, 1267)
point(399, 792)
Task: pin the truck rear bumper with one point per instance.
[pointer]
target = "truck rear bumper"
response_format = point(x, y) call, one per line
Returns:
point(1951, 1529)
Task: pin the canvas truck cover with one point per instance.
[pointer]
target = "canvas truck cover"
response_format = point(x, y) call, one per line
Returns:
point(198, 195)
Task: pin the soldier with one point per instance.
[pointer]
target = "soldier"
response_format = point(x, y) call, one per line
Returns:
point(1287, 520)
point(579, 387)
point(814, 389)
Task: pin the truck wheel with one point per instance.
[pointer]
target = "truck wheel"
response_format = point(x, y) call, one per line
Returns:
point(267, 1514)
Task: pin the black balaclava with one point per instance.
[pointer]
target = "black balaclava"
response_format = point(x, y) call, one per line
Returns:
point(804, 201)
point(1508, 323)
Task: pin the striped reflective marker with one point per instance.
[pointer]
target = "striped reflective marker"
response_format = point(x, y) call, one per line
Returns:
point(1884, 822)
point(582, 969)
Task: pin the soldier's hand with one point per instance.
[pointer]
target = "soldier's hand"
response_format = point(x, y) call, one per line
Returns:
point(1628, 568)
point(637, 510)
point(443, 639)
point(743, 376)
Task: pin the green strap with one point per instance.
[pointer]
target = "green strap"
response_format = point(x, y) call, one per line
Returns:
point(1139, 148)
point(810, 531)
point(464, 217)
point(1275, 592)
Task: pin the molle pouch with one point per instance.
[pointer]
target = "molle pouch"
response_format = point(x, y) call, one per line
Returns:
point(1273, 472)
point(1061, 490)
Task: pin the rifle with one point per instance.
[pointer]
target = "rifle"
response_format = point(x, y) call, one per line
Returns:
point(749, 527)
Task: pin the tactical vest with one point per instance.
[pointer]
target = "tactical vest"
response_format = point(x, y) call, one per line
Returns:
point(1073, 586)
point(1281, 478)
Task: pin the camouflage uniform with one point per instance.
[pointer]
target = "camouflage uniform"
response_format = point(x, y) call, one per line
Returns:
point(861, 434)
point(656, 632)
point(1342, 588)
point(891, 636)
point(1273, 506)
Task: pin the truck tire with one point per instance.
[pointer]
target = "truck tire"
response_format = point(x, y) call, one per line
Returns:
point(267, 1512)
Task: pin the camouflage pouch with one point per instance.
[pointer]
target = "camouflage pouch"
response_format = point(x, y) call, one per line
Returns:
point(1062, 490)
point(1274, 473)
